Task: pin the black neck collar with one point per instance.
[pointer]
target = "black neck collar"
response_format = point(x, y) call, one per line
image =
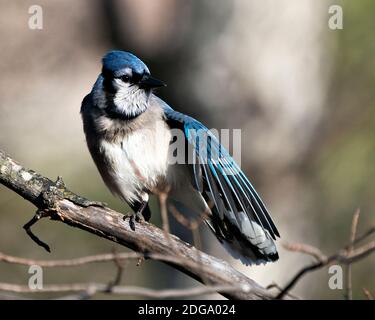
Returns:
point(115, 115)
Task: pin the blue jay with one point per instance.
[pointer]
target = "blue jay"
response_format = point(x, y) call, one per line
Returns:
point(129, 131)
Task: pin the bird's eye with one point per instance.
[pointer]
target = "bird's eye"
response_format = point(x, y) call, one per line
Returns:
point(125, 78)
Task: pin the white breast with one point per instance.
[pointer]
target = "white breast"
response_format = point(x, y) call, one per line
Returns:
point(138, 162)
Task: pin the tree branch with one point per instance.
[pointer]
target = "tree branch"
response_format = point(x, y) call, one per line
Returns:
point(55, 201)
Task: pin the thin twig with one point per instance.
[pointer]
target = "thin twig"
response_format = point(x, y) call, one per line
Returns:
point(162, 196)
point(288, 294)
point(192, 225)
point(353, 232)
point(188, 223)
point(119, 271)
point(90, 259)
point(362, 237)
point(123, 290)
point(344, 256)
point(38, 215)
point(307, 249)
point(297, 277)
point(368, 294)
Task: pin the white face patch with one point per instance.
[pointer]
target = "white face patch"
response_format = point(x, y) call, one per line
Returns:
point(129, 98)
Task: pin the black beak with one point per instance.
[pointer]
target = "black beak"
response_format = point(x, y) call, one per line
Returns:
point(147, 82)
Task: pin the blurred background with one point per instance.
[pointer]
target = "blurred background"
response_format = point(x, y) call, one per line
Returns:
point(302, 94)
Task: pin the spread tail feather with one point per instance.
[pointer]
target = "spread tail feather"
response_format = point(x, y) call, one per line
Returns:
point(244, 239)
point(251, 245)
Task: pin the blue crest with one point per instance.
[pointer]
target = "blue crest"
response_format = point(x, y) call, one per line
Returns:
point(116, 61)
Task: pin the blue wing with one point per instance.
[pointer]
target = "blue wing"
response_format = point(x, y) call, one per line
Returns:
point(227, 186)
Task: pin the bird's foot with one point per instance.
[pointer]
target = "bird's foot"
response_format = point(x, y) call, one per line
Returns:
point(134, 217)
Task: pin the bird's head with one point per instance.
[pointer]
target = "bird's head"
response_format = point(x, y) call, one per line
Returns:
point(124, 86)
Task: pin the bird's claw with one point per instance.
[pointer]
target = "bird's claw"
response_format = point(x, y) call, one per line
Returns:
point(136, 216)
